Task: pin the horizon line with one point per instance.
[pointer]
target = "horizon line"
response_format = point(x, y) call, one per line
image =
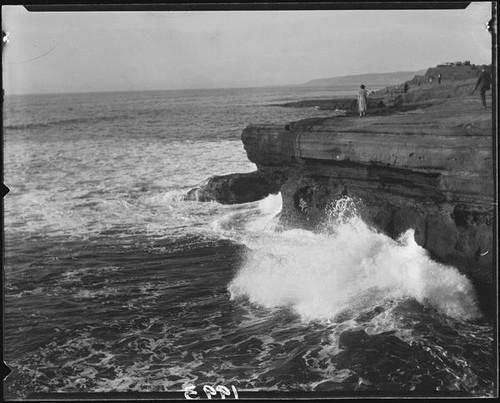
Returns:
point(302, 84)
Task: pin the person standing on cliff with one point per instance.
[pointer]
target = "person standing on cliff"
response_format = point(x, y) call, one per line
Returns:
point(439, 78)
point(362, 102)
point(483, 83)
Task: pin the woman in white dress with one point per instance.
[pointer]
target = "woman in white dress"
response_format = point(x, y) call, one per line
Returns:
point(362, 94)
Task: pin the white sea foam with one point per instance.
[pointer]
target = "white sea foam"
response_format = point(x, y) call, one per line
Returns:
point(269, 207)
point(348, 267)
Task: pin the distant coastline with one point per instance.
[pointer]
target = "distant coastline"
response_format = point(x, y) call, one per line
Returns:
point(368, 78)
point(372, 79)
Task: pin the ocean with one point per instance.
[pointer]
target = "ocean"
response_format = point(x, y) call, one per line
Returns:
point(114, 283)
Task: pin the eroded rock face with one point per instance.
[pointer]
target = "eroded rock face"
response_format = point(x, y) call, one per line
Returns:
point(234, 188)
point(429, 169)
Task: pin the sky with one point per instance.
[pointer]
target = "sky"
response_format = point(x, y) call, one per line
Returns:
point(53, 52)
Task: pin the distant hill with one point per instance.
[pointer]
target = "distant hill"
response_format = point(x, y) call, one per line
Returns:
point(372, 79)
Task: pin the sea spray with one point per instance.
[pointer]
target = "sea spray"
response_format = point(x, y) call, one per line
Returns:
point(348, 267)
point(249, 222)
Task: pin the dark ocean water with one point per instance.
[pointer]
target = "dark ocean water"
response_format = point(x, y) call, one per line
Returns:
point(112, 283)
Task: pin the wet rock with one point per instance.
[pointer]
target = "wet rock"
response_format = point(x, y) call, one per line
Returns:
point(234, 188)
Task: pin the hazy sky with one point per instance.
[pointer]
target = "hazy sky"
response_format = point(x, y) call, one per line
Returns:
point(108, 51)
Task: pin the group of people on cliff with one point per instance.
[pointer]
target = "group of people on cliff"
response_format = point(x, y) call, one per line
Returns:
point(483, 84)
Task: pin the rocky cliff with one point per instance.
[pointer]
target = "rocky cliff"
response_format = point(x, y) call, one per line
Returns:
point(421, 159)
point(429, 168)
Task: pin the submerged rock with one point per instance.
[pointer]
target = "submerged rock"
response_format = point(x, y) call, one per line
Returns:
point(234, 188)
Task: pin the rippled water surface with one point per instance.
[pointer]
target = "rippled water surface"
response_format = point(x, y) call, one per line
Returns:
point(114, 284)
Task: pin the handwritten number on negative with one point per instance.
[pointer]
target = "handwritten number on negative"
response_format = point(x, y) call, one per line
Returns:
point(191, 394)
point(189, 391)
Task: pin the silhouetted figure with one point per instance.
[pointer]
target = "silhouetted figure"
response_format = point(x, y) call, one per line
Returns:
point(405, 88)
point(439, 78)
point(483, 84)
point(362, 102)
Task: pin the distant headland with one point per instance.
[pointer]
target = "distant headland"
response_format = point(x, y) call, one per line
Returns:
point(372, 79)
point(459, 70)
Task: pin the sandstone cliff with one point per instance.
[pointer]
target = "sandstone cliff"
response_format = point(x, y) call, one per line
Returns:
point(421, 159)
point(429, 168)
